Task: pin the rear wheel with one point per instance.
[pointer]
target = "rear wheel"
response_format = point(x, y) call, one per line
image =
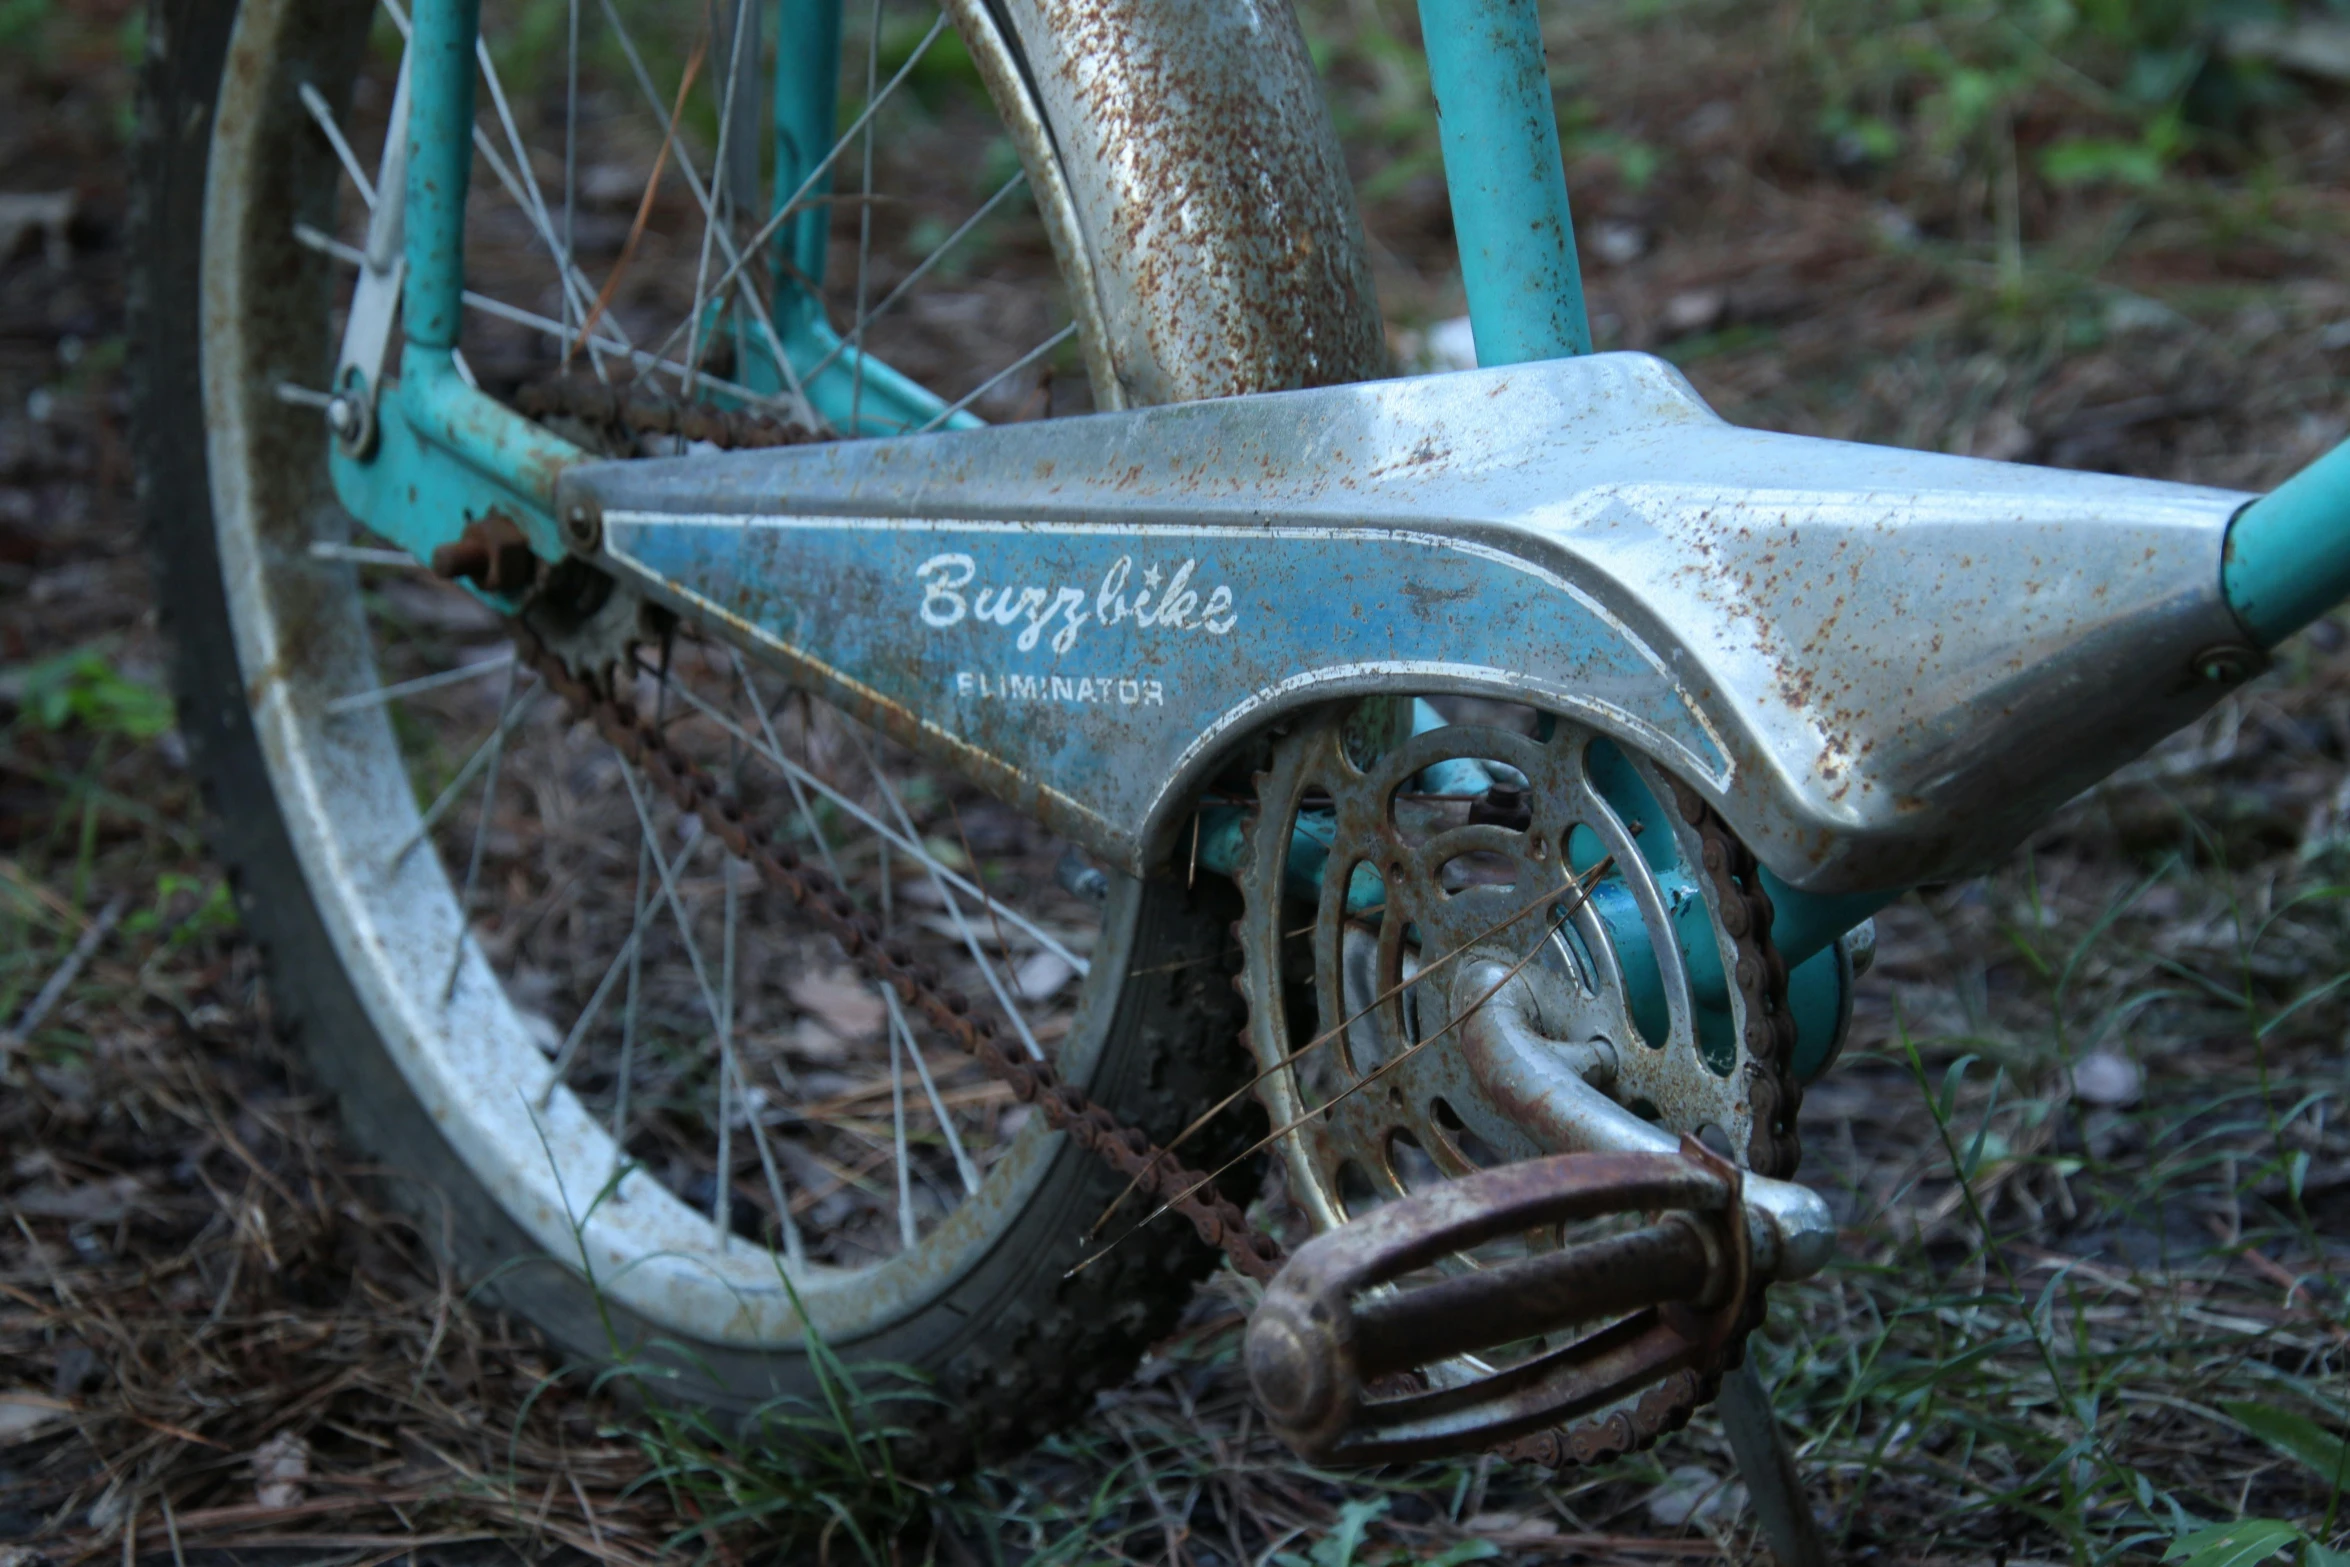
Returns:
point(649, 1100)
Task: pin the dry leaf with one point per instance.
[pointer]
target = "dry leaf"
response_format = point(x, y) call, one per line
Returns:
point(841, 1001)
point(1693, 1494)
point(97, 1202)
point(1041, 976)
point(280, 1465)
point(1518, 1526)
point(25, 1414)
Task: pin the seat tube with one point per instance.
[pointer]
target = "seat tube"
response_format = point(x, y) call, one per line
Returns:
point(1502, 169)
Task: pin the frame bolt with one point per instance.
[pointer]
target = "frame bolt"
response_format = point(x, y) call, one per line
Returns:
point(350, 416)
point(583, 526)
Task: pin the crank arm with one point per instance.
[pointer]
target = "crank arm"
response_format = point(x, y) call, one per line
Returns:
point(1791, 1232)
point(1657, 1309)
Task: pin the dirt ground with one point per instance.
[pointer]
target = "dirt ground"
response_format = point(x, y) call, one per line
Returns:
point(218, 1343)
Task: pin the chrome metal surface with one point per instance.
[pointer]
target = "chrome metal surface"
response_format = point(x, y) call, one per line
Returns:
point(1513, 1058)
point(1225, 250)
point(1880, 665)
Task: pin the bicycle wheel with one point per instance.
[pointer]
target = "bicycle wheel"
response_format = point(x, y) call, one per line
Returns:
point(645, 1099)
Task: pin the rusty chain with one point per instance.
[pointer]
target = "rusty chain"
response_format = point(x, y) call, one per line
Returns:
point(626, 409)
point(1772, 1090)
point(1746, 913)
point(1126, 1149)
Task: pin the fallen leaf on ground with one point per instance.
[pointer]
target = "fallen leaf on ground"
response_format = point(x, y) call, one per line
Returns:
point(841, 1001)
point(1693, 1494)
point(280, 1465)
point(1041, 976)
point(1518, 1525)
point(25, 1414)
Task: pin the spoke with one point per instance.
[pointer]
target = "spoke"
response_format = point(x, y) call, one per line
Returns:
point(720, 213)
point(324, 117)
point(473, 764)
point(448, 677)
point(744, 287)
point(534, 208)
point(574, 285)
point(360, 555)
point(668, 884)
point(570, 141)
point(623, 962)
point(349, 255)
point(995, 380)
point(911, 847)
point(946, 1123)
point(635, 356)
point(729, 1072)
point(318, 239)
point(722, 1191)
point(897, 1123)
point(302, 396)
point(937, 254)
point(481, 831)
point(954, 905)
point(799, 795)
point(791, 205)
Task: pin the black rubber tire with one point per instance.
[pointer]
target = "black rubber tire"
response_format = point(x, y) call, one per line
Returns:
point(1015, 1349)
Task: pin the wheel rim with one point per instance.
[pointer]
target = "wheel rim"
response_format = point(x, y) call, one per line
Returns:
point(309, 643)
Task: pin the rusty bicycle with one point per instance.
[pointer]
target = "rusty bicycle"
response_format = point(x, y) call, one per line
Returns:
point(792, 818)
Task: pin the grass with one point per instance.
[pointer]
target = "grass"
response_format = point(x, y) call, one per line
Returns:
point(2059, 1329)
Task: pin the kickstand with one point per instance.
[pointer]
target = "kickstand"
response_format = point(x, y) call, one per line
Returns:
point(1768, 1469)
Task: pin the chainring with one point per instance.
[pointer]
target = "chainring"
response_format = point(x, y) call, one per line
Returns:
point(1469, 861)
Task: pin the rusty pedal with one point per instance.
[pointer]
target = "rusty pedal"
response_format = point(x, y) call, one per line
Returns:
point(1345, 1363)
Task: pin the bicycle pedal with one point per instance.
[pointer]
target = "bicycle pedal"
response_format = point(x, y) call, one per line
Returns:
point(1354, 1362)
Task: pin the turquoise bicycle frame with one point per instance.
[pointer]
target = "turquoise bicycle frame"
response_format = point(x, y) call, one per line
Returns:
point(443, 452)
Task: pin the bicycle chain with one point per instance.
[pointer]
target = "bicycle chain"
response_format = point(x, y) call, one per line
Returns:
point(1772, 1091)
point(1126, 1149)
point(1746, 913)
point(625, 410)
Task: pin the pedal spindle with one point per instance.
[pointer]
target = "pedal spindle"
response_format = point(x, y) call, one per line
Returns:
point(1645, 1304)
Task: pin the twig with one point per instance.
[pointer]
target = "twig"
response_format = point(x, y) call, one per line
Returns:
point(84, 948)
